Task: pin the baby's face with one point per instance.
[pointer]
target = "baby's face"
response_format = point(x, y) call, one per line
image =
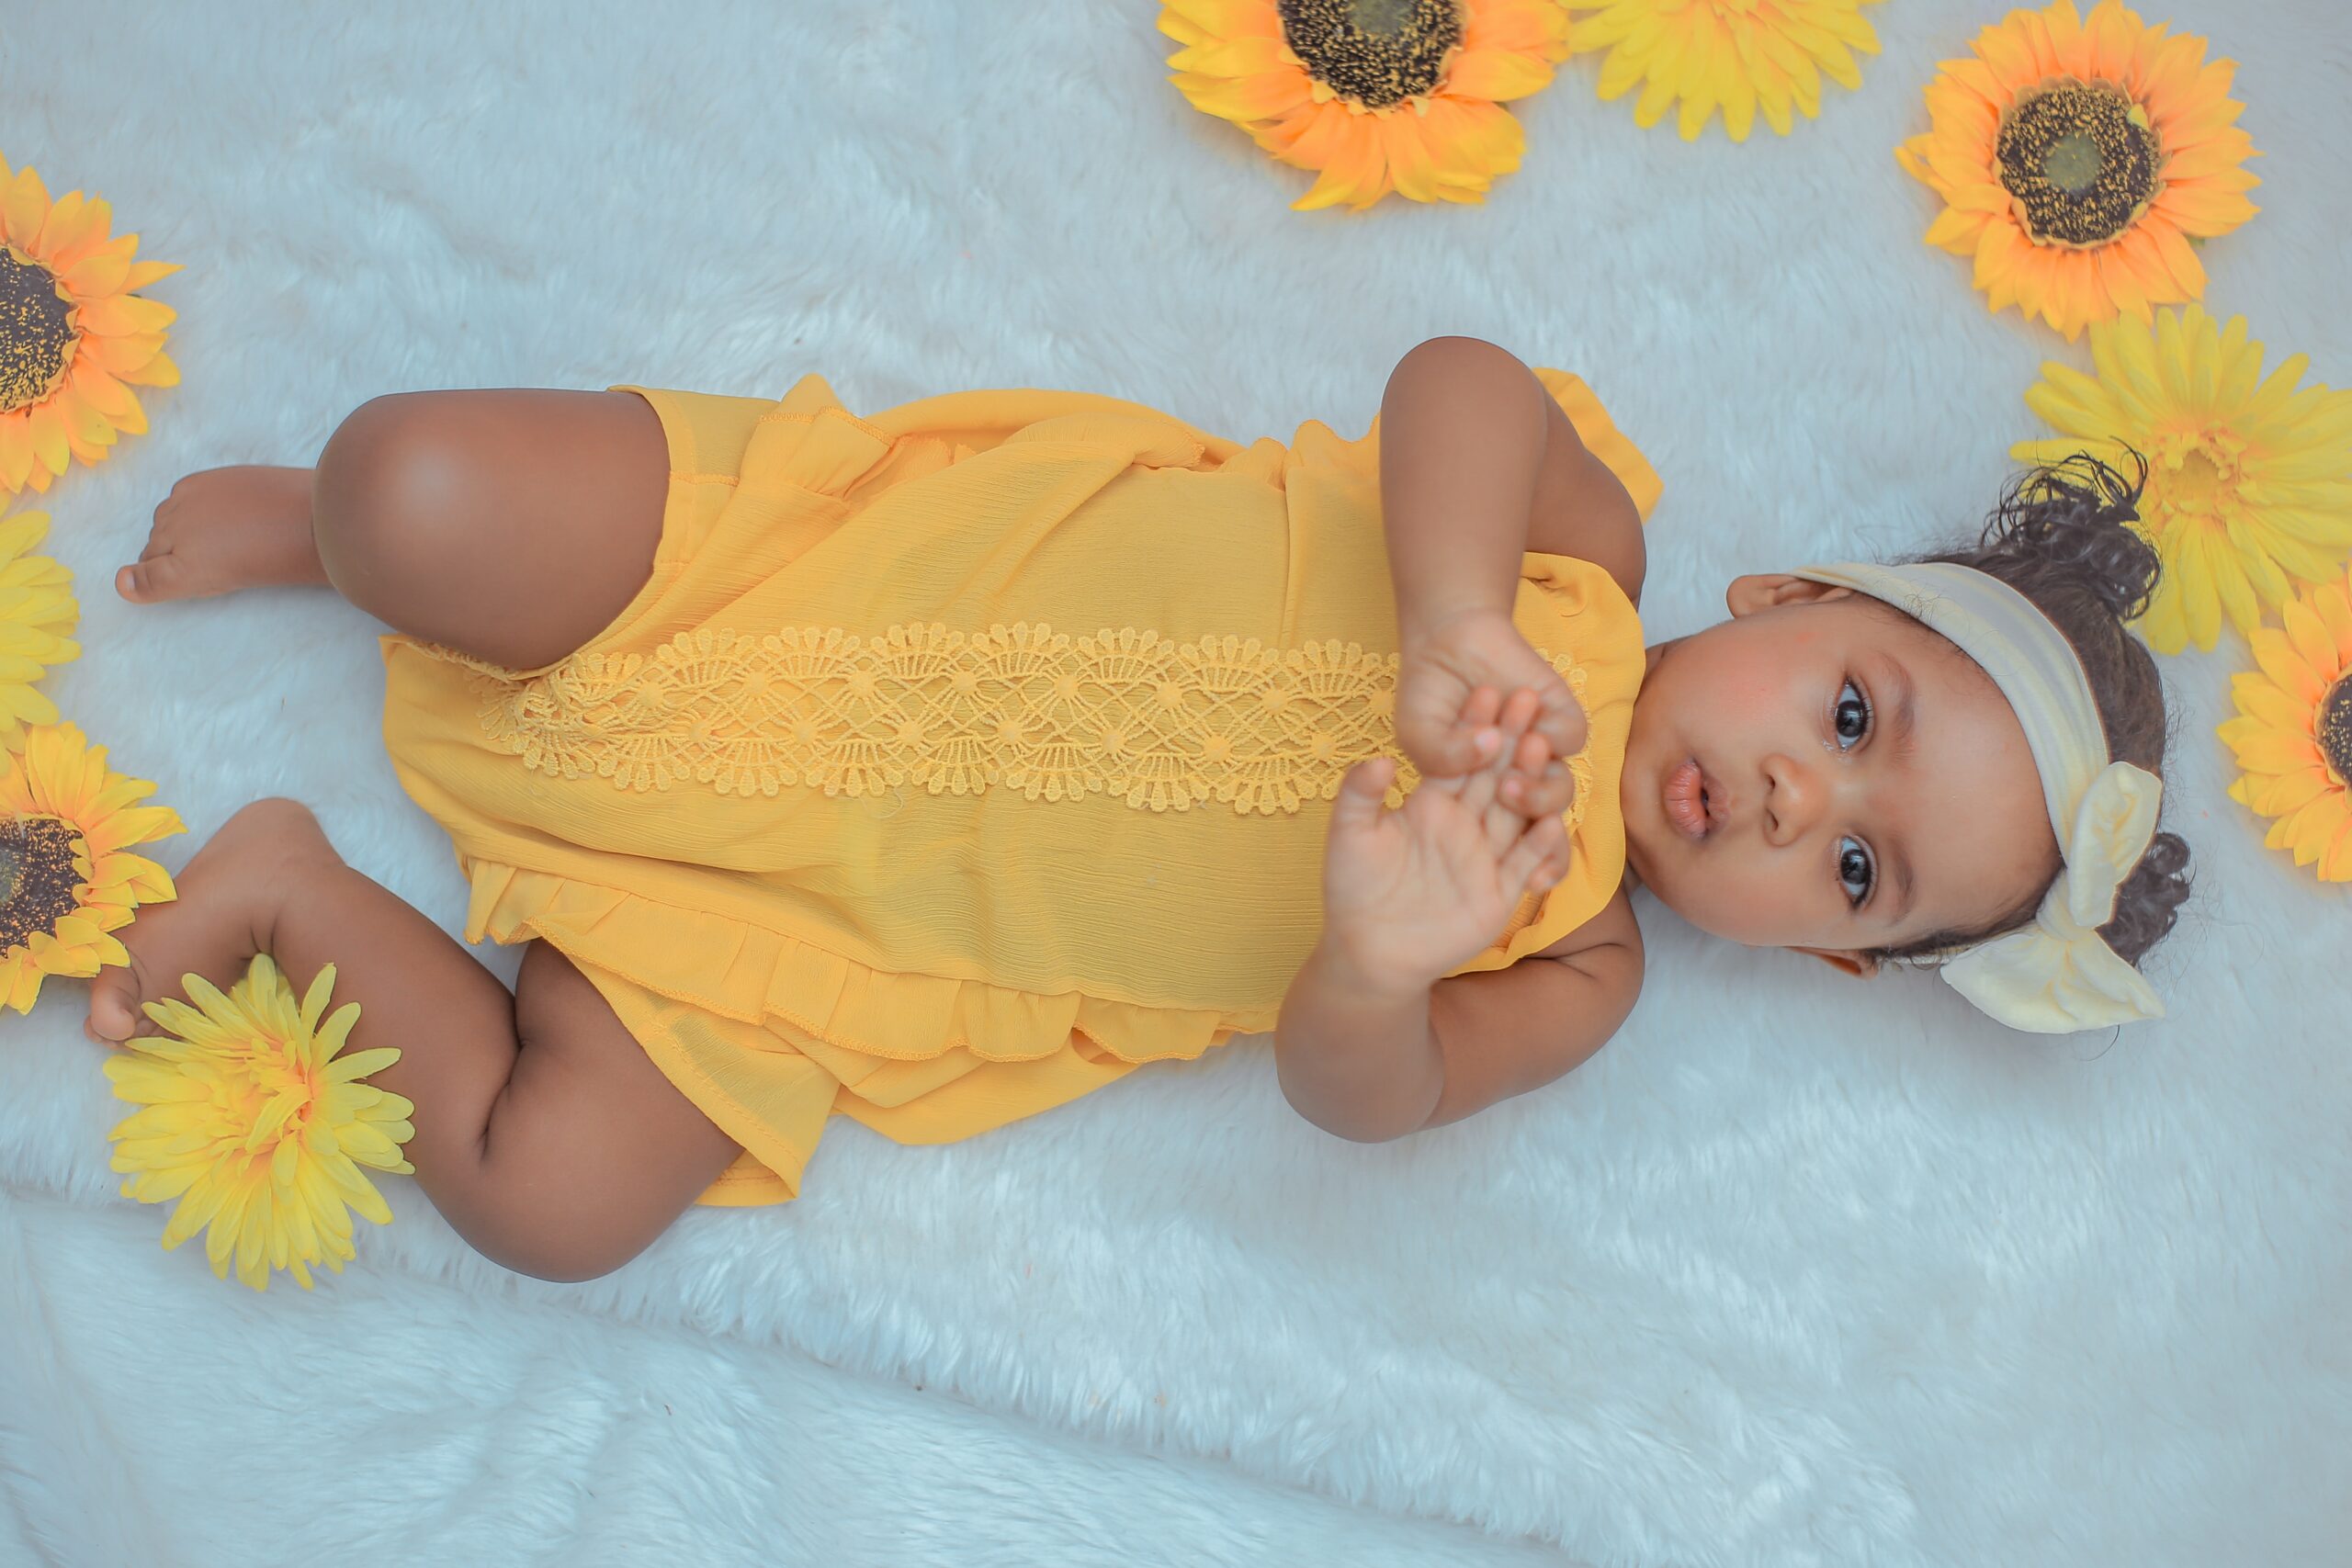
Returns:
point(1822, 772)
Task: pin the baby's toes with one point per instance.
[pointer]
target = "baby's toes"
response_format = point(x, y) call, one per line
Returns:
point(153, 579)
point(115, 1014)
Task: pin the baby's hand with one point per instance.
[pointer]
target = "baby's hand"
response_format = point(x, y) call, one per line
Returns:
point(1413, 892)
point(1452, 679)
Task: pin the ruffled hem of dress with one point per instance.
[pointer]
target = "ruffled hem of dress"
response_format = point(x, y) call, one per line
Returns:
point(751, 974)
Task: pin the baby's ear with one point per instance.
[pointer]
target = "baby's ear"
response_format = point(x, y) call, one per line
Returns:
point(1768, 589)
point(1861, 965)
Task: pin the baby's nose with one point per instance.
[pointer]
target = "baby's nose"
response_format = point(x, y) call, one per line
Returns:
point(1792, 800)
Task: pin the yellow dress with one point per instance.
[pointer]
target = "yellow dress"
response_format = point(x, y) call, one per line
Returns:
point(956, 760)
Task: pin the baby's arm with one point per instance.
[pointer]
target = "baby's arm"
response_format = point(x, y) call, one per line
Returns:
point(1504, 1031)
point(1462, 433)
point(1369, 1060)
point(1478, 464)
point(1378, 1037)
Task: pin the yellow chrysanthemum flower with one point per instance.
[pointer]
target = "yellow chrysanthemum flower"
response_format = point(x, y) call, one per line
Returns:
point(2076, 157)
point(255, 1126)
point(66, 877)
point(1374, 96)
point(2293, 732)
point(1737, 55)
point(36, 614)
point(2248, 486)
point(75, 334)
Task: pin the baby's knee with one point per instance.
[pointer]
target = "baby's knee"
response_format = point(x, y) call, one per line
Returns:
point(390, 496)
point(518, 1235)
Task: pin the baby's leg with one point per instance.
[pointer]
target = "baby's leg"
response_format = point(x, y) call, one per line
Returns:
point(544, 1133)
point(512, 524)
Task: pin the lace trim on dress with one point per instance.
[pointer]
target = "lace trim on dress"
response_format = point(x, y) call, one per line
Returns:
point(1158, 724)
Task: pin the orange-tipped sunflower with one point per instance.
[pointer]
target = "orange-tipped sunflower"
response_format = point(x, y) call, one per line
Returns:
point(37, 616)
point(75, 334)
point(2249, 479)
point(1373, 95)
point(2293, 732)
point(2076, 159)
point(1738, 55)
point(66, 877)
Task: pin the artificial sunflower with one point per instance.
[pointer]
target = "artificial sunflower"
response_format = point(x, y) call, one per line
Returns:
point(2293, 732)
point(2076, 159)
point(256, 1125)
point(66, 875)
point(37, 611)
point(1737, 55)
point(2249, 485)
point(1374, 96)
point(75, 335)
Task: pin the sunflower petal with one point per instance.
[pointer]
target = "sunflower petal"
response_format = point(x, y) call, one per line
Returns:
point(24, 205)
point(1497, 76)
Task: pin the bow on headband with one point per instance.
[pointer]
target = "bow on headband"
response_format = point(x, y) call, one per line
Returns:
point(2056, 975)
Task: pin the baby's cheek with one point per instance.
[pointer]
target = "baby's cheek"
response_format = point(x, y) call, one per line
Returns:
point(1742, 903)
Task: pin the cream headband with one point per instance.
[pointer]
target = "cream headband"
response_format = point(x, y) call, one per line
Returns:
point(2058, 974)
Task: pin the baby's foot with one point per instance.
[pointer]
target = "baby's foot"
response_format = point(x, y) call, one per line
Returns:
point(222, 529)
point(228, 897)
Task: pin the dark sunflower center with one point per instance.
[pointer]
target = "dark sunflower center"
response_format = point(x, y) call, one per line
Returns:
point(1376, 51)
point(2334, 730)
point(37, 877)
point(36, 331)
point(2081, 160)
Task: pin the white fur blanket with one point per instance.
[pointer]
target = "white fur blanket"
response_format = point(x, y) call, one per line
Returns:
point(1796, 1273)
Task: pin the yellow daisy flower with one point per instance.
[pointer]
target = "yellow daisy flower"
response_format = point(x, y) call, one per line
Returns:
point(2248, 486)
point(75, 335)
point(2075, 158)
point(1737, 55)
point(2293, 732)
point(1374, 96)
point(37, 611)
point(255, 1126)
point(66, 877)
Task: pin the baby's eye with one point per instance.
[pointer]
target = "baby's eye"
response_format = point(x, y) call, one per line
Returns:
point(1854, 871)
point(1851, 718)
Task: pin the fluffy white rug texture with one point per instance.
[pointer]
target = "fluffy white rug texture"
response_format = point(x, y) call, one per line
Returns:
point(1797, 1271)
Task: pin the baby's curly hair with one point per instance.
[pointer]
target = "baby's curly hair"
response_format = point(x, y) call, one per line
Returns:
point(2062, 536)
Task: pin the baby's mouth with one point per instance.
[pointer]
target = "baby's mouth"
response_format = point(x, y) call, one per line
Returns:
point(1686, 802)
point(1695, 804)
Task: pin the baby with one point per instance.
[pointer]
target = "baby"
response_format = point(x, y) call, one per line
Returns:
point(752, 719)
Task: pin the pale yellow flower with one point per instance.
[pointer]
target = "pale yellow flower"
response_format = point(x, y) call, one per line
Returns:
point(2249, 480)
point(36, 619)
point(1737, 55)
point(256, 1126)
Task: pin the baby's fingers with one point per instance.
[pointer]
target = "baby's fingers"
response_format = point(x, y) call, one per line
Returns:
point(1362, 799)
point(1539, 859)
point(1478, 789)
point(1562, 722)
point(1446, 746)
point(1547, 791)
